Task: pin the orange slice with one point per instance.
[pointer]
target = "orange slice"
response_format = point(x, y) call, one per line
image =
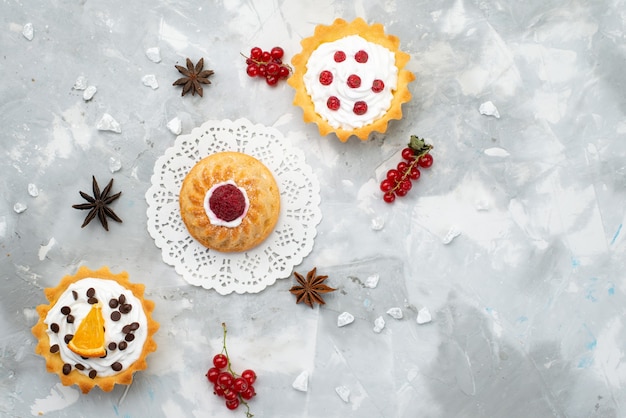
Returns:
point(88, 340)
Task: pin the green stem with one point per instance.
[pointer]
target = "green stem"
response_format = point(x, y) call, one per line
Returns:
point(225, 351)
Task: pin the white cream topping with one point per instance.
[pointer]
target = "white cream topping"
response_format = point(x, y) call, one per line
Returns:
point(380, 65)
point(213, 217)
point(105, 290)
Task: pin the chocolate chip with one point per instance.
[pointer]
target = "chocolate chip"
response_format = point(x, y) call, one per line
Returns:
point(122, 299)
point(79, 366)
point(67, 369)
point(113, 303)
point(115, 316)
point(90, 292)
point(134, 326)
point(68, 338)
point(74, 294)
point(117, 366)
point(125, 308)
point(129, 337)
point(54, 348)
point(66, 310)
point(54, 327)
point(126, 329)
point(112, 346)
point(122, 345)
point(93, 374)
point(70, 319)
point(92, 301)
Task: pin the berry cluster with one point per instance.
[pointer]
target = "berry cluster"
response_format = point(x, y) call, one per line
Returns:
point(267, 64)
point(235, 389)
point(398, 180)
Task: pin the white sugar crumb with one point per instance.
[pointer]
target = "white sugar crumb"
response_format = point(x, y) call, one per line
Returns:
point(423, 316)
point(150, 80)
point(378, 223)
point(343, 392)
point(33, 190)
point(372, 281)
point(19, 207)
point(482, 205)
point(395, 313)
point(496, 152)
point(80, 83)
point(43, 249)
point(452, 233)
point(344, 319)
point(114, 164)
point(28, 31)
point(107, 123)
point(154, 54)
point(489, 109)
point(89, 93)
point(301, 382)
point(379, 324)
point(175, 126)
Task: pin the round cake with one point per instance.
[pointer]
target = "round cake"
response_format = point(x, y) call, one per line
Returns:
point(350, 79)
point(96, 330)
point(230, 202)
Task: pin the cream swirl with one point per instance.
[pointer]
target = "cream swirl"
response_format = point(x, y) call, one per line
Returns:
point(379, 66)
point(116, 331)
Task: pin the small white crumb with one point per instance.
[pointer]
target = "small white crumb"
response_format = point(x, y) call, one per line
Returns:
point(489, 109)
point(378, 223)
point(154, 54)
point(80, 83)
point(452, 233)
point(89, 93)
point(379, 324)
point(345, 319)
point(150, 80)
point(301, 382)
point(482, 205)
point(343, 392)
point(115, 164)
point(107, 123)
point(423, 316)
point(372, 281)
point(19, 207)
point(33, 190)
point(28, 31)
point(175, 126)
point(496, 152)
point(395, 313)
point(43, 249)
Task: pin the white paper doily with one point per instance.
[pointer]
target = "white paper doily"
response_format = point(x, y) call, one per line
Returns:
point(292, 238)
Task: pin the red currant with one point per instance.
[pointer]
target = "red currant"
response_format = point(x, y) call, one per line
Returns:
point(326, 77)
point(389, 197)
point(333, 103)
point(218, 390)
point(393, 174)
point(230, 395)
point(339, 56)
point(425, 160)
point(386, 185)
point(283, 72)
point(360, 108)
point(249, 376)
point(378, 86)
point(414, 174)
point(402, 192)
point(255, 53)
point(212, 374)
point(220, 361)
point(408, 154)
point(361, 57)
point(240, 385)
point(277, 52)
point(272, 68)
point(248, 393)
point(271, 80)
point(262, 71)
point(252, 70)
point(354, 81)
point(266, 56)
point(402, 167)
point(406, 185)
point(232, 405)
point(225, 380)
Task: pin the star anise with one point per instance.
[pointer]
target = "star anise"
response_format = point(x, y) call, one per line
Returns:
point(97, 205)
point(310, 289)
point(193, 76)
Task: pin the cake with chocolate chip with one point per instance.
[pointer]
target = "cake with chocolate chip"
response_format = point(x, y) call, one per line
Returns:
point(96, 330)
point(350, 79)
point(229, 202)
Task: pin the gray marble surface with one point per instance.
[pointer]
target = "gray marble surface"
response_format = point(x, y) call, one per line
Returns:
point(527, 302)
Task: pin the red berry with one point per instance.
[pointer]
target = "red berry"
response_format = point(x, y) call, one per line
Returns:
point(425, 160)
point(218, 390)
point(225, 380)
point(389, 197)
point(333, 103)
point(248, 393)
point(232, 405)
point(402, 167)
point(272, 68)
point(283, 72)
point(408, 154)
point(378, 86)
point(230, 395)
point(262, 71)
point(340, 56)
point(249, 376)
point(255, 53)
point(240, 385)
point(326, 77)
point(361, 57)
point(354, 81)
point(393, 175)
point(414, 174)
point(212, 374)
point(360, 108)
point(271, 80)
point(277, 52)
point(266, 56)
point(252, 70)
point(220, 361)
point(386, 185)
point(406, 185)
point(402, 192)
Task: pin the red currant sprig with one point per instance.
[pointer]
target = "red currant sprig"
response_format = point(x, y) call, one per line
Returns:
point(267, 64)
point(398, 180)
point(235, 389)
